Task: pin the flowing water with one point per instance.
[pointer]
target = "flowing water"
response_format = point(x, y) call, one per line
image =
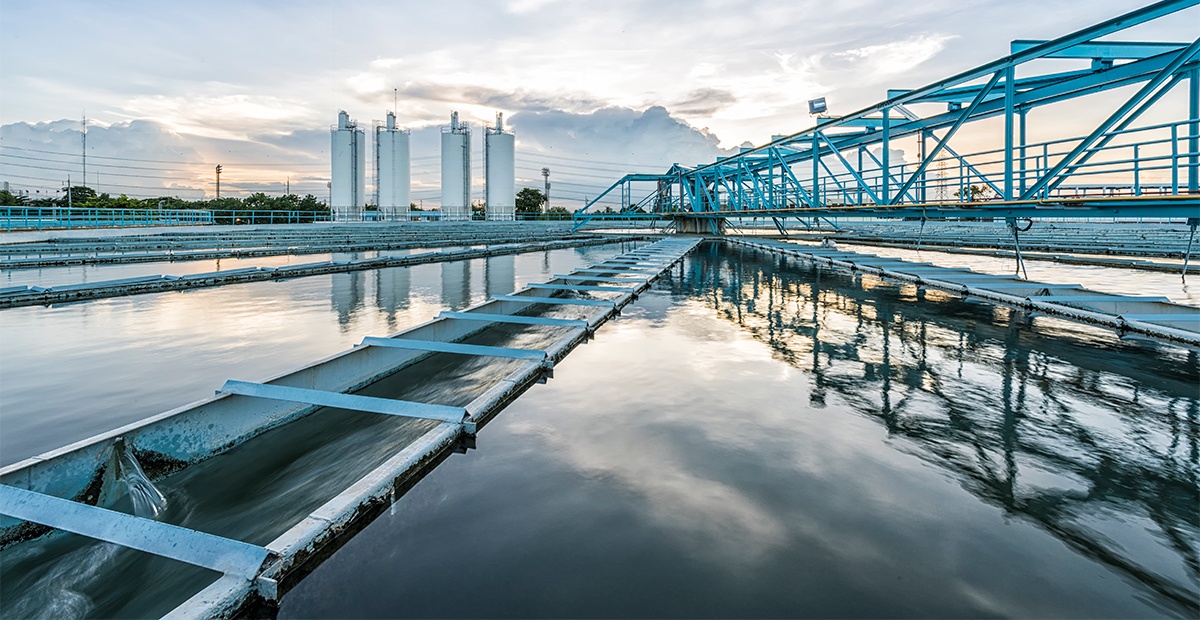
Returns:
point(753, 438)
point(147, 500)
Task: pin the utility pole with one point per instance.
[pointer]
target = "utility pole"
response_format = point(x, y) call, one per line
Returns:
point(83, 138)
point(69, 203)
point(546, 175)
point(218, 180)
point(289, 186)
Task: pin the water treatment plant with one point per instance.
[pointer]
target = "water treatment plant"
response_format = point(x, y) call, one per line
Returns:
point(816, 377)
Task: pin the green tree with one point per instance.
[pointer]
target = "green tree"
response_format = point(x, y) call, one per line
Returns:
point(310, 203)
point(9, 199)
point(976, 193)
point(258, 201)
point(79, 194)
point(530, 201)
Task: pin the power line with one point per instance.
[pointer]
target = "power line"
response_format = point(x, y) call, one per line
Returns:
point(157, 161)
point(94, 165)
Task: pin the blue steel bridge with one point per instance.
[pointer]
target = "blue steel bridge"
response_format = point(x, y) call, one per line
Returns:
point(1125, 165)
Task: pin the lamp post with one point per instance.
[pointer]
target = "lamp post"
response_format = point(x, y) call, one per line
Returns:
point(218, 180)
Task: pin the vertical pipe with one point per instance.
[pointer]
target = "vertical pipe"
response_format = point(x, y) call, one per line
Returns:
point(1194, 133)
point(1009, 95)
point(1045, 164)
point(1022, 140)
point(921, 146)
point(816, 154)
point(1137, 171)
point(886, 157)
point(1174, 160)
point(860, 174)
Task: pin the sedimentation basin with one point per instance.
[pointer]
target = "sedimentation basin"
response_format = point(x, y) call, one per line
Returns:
point(753, 436)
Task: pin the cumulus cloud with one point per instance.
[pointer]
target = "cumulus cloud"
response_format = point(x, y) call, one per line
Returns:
point(586, 151)
point(145, 158)
point(704, 101)
point(882, 59)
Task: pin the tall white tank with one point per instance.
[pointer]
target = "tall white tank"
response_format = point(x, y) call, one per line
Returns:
point(456, 170)
point(500, 172)
point(348, 180)
point(393, 175)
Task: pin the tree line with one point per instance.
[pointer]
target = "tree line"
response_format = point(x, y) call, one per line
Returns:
point(529, 201)
point(83, 197)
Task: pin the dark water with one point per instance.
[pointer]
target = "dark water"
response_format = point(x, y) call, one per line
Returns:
point(757, 439)
point(70, 371)
point(253, 492)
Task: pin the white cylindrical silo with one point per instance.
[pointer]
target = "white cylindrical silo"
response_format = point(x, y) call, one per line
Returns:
point(456, 170)
point(393, 176)
point(348, 178)
point(500, 172)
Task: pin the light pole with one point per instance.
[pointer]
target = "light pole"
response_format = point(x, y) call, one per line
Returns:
point(218, 180)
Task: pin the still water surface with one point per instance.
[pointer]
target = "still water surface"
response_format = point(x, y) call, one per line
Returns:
point(751, 439)
point(70, 371)
point(759, 441)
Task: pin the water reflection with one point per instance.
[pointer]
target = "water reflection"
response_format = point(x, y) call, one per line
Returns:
point(1092, 438)
point(392, 290)
point(456, 284)
point(501, 275)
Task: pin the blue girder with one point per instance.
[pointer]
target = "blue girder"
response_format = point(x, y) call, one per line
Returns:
point(811, 173)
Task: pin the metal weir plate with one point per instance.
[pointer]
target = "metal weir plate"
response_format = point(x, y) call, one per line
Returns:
point(619, 271)
point(509, 318)
point(352, 402)
point(567, 276)
point(224, 555)
point(454, 347)
point(585, 287)
point(559, 301)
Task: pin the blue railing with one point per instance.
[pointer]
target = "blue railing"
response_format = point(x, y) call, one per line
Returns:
point(42, 218)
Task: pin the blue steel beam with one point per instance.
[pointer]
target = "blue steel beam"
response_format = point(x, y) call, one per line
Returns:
point(950, 134)
point(1146, 90)
point(1106, 50)
point(748, 181)
point(1128, 20)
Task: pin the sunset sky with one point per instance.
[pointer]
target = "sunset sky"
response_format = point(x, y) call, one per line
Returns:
point(592, 89)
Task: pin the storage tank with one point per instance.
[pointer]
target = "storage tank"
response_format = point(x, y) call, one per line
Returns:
point(500, 172)
point(393, 176)
point(348, 179)
point(456, 170)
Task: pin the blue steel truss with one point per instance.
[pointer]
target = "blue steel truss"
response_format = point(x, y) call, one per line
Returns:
point(842, 166)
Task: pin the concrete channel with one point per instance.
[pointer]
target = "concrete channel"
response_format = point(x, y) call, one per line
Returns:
point(78, 488)
point(172, 248)
point(1157, 317)
point(18, 296)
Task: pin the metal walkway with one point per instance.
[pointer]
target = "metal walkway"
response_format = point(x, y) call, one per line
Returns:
point(57, 489)
point(1151, 316)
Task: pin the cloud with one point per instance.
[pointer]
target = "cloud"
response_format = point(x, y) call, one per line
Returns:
point(386, 63)
point(617, 134)
point(522, 7)
point(881, 59)
point(704, 101)
point(586, 152)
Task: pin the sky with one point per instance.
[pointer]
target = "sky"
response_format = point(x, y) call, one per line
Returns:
point(591, 89)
